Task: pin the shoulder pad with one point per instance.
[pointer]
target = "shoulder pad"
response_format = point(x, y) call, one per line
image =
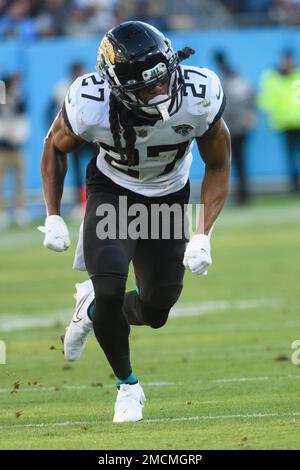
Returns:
point(204, 92)
point(86, 102)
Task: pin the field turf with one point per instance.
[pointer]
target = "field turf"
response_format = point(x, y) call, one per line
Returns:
point(218, 376)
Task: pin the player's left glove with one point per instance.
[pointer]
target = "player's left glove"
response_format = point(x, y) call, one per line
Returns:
point(197, 254)
point(56, 232)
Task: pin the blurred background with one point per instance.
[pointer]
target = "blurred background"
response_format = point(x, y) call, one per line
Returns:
point(254, 46)
point(228, 342)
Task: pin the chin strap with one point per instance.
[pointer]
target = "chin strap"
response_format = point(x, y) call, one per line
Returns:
point(162, 109)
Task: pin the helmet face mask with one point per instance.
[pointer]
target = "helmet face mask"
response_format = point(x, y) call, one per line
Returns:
point(134, 57)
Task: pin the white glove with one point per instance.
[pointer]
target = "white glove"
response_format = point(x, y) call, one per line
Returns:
point(197, 254)
point(56, 232)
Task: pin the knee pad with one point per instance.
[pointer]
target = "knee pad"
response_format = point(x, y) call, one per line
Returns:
point(109, 296)
point(164, 296)
point(110, 259)
point(159, 320)
point(156, 306)
point(109, 276)
point(151, 315)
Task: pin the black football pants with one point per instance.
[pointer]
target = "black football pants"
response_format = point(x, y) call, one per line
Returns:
point(159, 276)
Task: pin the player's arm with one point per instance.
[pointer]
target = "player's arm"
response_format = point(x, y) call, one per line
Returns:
point(54, 164)
point(59, 141)
point(214, 147)
point(215, 151)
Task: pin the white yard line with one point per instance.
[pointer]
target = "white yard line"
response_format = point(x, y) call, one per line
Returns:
point(221, 381)
point(195, 309)
point(14, 322)
point(158, 420)
point(224, 417)
point(242, 379)
point(75, 388)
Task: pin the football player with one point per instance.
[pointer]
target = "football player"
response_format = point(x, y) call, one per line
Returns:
point(144, 109)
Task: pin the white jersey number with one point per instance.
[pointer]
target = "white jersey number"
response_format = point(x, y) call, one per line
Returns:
point(95, 82)
point(191, 86)
point(176, 151)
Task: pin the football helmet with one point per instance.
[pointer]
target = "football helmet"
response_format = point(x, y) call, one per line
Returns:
point(135, 56)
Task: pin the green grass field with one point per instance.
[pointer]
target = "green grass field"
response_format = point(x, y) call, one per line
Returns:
point(218, 376)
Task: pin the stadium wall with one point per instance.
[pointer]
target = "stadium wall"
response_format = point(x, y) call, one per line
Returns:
point(44, 63)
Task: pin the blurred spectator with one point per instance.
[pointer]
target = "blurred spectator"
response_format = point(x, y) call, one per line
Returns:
point(288, 11)
point(90, 17)
point(14, 129)
point(60, 91)
point(251, 12)
point(151, 12)
point(51, 17)
point(195, 14)
point(249, 6)
point(240, 118)
point(61, 88)
point(276, 91)
point(16, 20)
point(26, 19)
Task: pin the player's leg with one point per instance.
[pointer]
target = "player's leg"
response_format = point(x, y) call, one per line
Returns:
point(107, 262)
point(238, 157)
point(81, 323)
point(159, 274)
point(76, 334)
point(17, 159)
point(292, 154)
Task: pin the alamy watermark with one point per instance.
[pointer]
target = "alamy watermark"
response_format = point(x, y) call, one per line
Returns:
point(2, 92)
point(2, 352)
point(295, 358)
point(153, 221)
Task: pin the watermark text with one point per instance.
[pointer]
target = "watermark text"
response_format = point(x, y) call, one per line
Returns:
point(295, 358)
point(2, 352)
point(165, 221)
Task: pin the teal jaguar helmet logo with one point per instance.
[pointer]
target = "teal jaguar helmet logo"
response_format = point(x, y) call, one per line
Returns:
point(183, 129)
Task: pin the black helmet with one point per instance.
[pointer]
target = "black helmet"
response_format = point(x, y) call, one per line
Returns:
point(134, 56)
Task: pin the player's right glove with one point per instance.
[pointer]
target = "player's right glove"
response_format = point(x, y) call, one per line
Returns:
point(56, 232)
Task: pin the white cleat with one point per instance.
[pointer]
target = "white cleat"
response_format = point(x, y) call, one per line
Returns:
point(77, 332)
point(129, 403)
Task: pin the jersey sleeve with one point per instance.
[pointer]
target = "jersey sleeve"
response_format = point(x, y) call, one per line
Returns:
point(70, 108)
point(85, 106)
point(217, 99)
